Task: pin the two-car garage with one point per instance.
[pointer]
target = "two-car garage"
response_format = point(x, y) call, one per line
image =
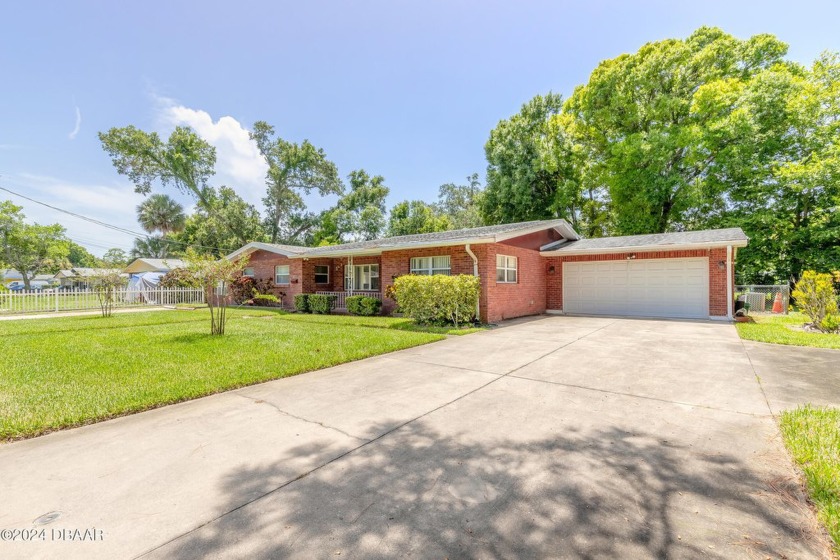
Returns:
point(638, 287)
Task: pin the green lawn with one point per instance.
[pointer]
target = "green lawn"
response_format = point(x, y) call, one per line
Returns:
point(782, 329)
point(813, 437)
point(69, 371)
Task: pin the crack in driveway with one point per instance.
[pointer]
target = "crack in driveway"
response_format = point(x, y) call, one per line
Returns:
point(362, 445)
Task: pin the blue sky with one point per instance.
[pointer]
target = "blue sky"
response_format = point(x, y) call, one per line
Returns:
point(406, 90)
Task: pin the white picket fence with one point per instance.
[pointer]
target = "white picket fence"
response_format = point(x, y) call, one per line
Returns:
point(53, 301)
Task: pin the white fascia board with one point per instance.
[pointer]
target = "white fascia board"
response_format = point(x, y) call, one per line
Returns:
point(645, 248)
point(257, 246)
point(562, 227)
point(396, 247)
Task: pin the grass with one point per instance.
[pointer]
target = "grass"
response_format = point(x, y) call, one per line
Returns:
point(812, 435)
point(783, 329)
point(64, 372)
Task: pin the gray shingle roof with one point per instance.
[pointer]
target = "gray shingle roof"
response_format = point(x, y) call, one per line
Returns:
point(431, 238)
point(289, 248)
point(705, 237)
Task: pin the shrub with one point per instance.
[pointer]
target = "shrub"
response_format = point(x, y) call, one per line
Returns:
point(245, 287)
point(321, 303)
point(268, 300)
point(438, 298)
point(814, 295)
point(302, 303)
point(179, 278)
point(831, 323)
point(363, 305)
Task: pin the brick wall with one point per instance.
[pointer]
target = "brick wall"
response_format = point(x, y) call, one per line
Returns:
point(717, 278)
point(397, 263)
point(525, 297)
point(263, 263)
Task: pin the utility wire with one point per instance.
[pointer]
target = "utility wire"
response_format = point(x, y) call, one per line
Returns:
point(111, 226)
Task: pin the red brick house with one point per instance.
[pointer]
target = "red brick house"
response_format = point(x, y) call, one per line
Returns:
point(525, 269)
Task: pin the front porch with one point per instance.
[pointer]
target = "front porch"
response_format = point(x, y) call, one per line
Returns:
point(340, 302)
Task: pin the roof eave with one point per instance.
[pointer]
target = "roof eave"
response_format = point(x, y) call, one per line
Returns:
point(560, 225)
point(257, 246)
point(397, 247)
point(646, 248)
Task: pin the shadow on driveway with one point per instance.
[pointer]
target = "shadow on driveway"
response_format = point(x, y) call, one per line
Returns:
point(420, 493)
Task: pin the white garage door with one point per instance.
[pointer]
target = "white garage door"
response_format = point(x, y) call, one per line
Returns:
point(640, 287)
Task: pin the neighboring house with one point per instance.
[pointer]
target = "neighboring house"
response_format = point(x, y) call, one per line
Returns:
point(80, 278)
point(139, 266)
point(525, 268)
point(11, 275)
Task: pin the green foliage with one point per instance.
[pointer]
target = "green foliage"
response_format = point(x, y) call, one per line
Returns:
point(785, 329)
point(115, 258)
point(438, 299)
point(267, 300)
point(105, 286)
point(831, 323)
point(155, 247)
point(171, 358)
point(161, 213)
point(415, 216)
point(707, 131)
point(320, 303)
point(80, 257)
point(302, 303)
point(359, 214)
point(812, 434)
point(179, 278)
point(225, 225)
point(215, 275)
point(29, 248)
point(185, 160)
point(293, 171)
point(461, 204)
point(814, 296)
point(363, 305)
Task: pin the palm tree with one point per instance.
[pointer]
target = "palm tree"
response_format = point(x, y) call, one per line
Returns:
point(153, 247)
point(161, 213)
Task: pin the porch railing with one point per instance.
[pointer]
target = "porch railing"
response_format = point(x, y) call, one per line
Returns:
point(341, 297)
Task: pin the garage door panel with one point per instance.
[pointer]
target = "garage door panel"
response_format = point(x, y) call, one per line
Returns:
point(643, 287)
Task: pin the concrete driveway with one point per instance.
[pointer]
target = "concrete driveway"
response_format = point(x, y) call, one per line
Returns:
point(552, 437)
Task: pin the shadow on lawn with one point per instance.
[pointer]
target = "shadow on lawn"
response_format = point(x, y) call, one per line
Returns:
point(416, 493)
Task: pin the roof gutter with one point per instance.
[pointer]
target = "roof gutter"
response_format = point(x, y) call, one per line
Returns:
point(644, 248)
point(387, 248)
point(475, 273)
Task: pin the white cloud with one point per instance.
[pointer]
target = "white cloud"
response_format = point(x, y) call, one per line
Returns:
point(112, 204)
point(75, 131)
point(238, 160)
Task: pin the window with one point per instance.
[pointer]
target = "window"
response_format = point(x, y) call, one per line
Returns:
point(249, 272)
point(322, 274)
point(505, 269)
point(430, 265)
point(281, 274)
point(362, 277)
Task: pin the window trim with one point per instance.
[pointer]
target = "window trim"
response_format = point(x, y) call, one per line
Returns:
point(431, 270)
point(288, 274)
point(245, 271)
point(505, 266)
point(317, 274)
point(350, 272)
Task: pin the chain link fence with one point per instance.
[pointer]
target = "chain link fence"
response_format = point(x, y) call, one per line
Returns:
point(757, 299)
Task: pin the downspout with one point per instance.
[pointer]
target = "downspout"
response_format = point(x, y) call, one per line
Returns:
point(475, 273)
point(729, 294)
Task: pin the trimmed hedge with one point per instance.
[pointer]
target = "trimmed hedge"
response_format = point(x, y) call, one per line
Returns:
point(321, 303)
point(439, 298)
point(302, 303)
point(363, 305)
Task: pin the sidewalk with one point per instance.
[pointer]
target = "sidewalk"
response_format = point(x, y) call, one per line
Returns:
point(79, 313)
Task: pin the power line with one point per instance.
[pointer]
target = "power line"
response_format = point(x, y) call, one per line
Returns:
point(110, 226)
